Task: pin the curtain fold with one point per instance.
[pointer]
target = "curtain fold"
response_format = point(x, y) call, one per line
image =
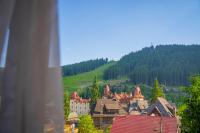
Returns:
point(32, 97)
point(6, 9)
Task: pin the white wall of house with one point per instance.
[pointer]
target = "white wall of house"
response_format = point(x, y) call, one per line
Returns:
point(79, 108)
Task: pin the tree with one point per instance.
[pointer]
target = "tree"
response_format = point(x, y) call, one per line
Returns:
point(157, 91)
point(172, 64)
point(95, 92)
point(66, 105)
point(82, 67)
point(86, 125)
point(107, 130)
point(190, 121)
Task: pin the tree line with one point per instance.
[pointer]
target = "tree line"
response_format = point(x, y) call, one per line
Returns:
point(170, 64)
point(82, 67)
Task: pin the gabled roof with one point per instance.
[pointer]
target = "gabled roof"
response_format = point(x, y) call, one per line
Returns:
point(164, 107)
point(101, 102)
point(144, 124)
point(138, 105)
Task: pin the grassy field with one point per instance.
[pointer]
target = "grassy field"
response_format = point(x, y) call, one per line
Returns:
point(76, 82)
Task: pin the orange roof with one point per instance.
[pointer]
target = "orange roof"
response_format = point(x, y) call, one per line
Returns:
point(122, 97)
point(77, 99)
point(137, 93)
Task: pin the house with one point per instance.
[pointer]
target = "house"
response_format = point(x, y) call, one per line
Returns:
point(79, 105)
point(133, 103)
point(144, 124)
point(121, 97)
point(137, 104)
point(104, 112)
point(161, 107)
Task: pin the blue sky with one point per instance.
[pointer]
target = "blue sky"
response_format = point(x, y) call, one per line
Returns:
point(91, 29)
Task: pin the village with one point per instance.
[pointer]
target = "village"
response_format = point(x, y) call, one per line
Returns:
point(99, 66)
point(123, 112)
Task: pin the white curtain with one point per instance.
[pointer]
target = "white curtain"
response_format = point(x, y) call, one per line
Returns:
point(30, 82)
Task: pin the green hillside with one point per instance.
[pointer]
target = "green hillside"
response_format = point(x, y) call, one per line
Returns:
point(172, 65)
point(81, 82)
point(76, 82)
point(84, 66)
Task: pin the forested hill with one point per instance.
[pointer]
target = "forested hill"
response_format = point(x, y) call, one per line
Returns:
point(170, 64)
point(82, 67)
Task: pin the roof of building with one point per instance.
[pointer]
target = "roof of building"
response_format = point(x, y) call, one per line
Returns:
point(112, 106)
point(75, 95)
point(122, 97)
point(76, 98)
point(163, 107)
point(123, 109)
point(137, 93)
point(144, 124)
point(138, 105)
point(101, 102)
point(143, 104)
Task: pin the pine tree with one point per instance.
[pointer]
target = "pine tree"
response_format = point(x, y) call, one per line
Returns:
point(157, 91)
point(86, 125)
point(94, 92)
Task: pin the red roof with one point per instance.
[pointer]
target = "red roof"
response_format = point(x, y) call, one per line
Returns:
point(144, 124)
point(75, 95)
point(76, 98)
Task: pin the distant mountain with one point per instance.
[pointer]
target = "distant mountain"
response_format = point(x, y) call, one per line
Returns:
point(170, 64)
point(82, 67)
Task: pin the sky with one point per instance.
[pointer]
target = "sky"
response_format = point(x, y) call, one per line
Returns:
point(91, 29)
